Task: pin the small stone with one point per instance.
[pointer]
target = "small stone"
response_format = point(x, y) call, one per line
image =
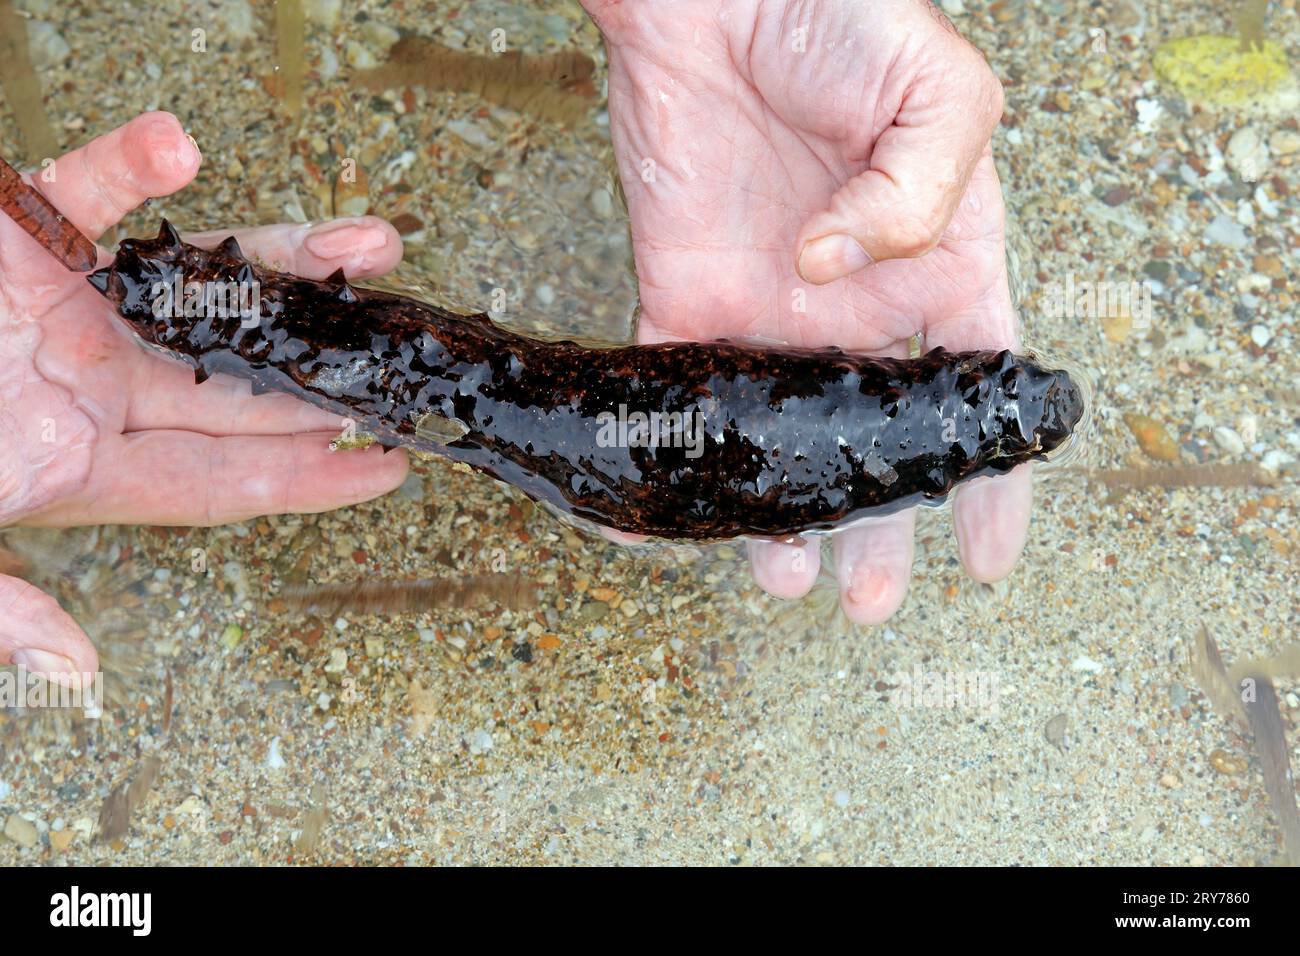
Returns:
point(602, 203)
point(545, 295)
point(1284, 142)
point(46, 45)
point(231, 636)
point(1117, 196)
point(1224, 231)
point(237, 16)
point(60, 840)
point(1169, 781)
point(338, 661)
point(1152, 437)
point(1247, 154)
point(274, 759)
point(1228, 439)
point(358, 55)
point(21, 831)
point(1226, 764)
point(841, 798)
point(954, 8)
point(324, 12)
point(480, 742)
point(1260, 335)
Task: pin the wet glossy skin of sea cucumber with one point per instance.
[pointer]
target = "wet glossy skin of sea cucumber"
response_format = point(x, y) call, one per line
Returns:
point(768, 441)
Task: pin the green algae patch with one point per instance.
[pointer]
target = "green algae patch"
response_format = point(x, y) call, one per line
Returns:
point(1219, 72)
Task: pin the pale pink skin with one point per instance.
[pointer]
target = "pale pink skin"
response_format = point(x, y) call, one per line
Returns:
point(134, 441)
point(879, 131)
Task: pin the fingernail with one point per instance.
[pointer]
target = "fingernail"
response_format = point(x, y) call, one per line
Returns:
point(831, 257)
point(37, 661)
point(346, 237)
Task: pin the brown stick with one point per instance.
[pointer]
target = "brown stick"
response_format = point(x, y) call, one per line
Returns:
point(40, 220)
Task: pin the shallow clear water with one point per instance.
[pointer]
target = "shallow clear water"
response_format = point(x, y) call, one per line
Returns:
point(654, 706)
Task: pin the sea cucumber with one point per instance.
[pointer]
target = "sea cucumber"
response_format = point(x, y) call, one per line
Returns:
point(767, 441)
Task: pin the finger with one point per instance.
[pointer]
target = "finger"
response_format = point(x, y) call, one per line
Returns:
point(991, 520)
point(38, 635)
point(98, 184)
point(182, 478)
point(626, 538)
point(919, 167)
point(360, 246)
point(162, 393)
point(786, 569)
point(873, 561)
point(990, 515)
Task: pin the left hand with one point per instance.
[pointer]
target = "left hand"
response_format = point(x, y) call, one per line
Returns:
point(95, 429)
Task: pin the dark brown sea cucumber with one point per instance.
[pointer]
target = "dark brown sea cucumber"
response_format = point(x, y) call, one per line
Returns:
point(679, 440)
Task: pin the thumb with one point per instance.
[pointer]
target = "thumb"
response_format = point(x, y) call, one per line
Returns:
point(917, 172)
point(39, 636)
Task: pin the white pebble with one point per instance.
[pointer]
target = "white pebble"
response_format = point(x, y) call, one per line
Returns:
point(1228, 439)
point(1260, 335)
point(273, 758)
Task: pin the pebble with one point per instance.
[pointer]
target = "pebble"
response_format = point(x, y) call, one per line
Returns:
point(46, 45)
point(1247, 154)
point(1260, 335)
point(472, 133)
point(274, 759)
point(601, 202)
point(20, 831)
point(1284, 142)
point(237, 16)
point(1228, 439)
point(1152, 437)
point(324, 12)
point(954, 8)
point(338, 661)
point(358, 55)
point(545, 294)
point(480, 742)
point(841, 798)
point(1226, 232)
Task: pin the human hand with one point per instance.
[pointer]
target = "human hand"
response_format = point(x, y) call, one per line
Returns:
point(94, 429)
point(820, 174)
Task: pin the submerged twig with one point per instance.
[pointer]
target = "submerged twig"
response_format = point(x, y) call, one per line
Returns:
point(554, 86)
point(397, 597)
point(1275, 761)
point(1261, 711)
point(290, 28)
point(1250, 18)
point(1210, 676)
point(1186, 476)
point(115, 814)
point(22, 88)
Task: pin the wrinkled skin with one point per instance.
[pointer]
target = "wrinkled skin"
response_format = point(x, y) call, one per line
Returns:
point(130, 438)
point(876, 133)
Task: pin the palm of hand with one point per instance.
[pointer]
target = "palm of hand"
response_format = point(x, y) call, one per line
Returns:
point(721, 183)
